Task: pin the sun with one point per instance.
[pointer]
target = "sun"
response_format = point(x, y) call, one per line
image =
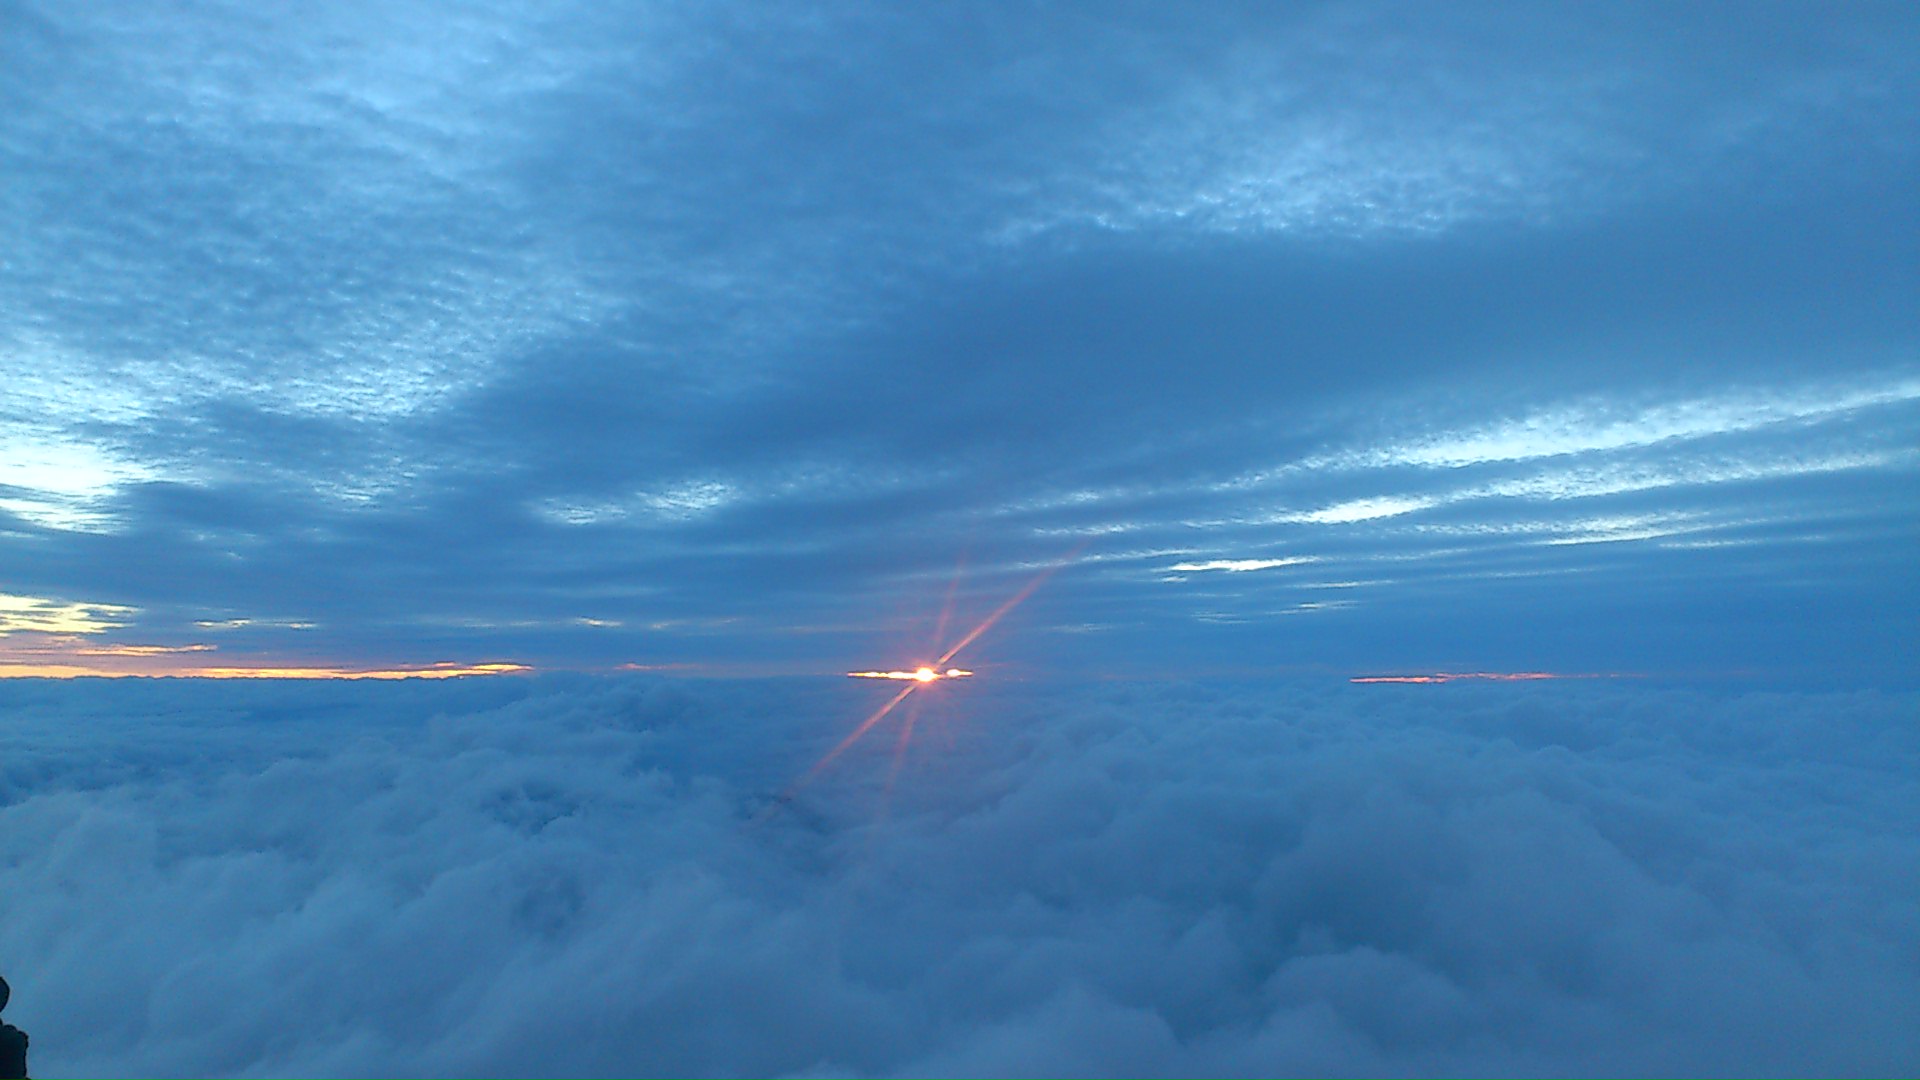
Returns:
point(924, 675)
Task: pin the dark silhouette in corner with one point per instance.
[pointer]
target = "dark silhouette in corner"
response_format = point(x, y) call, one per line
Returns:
point(13, 1043)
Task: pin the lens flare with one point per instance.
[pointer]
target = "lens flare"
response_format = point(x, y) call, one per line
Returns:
point(919, 678)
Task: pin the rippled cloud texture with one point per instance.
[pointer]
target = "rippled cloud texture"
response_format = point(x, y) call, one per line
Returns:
point(543, 876)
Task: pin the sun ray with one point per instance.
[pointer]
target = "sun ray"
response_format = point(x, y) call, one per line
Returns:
point(946, 606)
point(918, 678)
point(1013, 602)
point(900, 745)
point(865, 726)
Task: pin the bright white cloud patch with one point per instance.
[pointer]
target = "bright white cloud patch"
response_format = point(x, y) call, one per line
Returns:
point(41, 615)
point(1237, 566)
point(567, 878)
point(1371, 509)
point(60, 482)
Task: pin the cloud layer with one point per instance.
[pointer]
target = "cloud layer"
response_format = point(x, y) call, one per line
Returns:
point(576, 877)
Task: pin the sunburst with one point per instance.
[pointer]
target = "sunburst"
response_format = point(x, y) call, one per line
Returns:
point(922, 676)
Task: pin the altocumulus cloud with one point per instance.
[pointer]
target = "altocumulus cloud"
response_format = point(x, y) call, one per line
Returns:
point(582, 876)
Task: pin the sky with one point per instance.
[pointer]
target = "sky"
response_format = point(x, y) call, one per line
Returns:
point(723, 340)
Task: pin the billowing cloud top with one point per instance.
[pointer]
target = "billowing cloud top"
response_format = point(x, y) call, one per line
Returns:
point(376, 337)
point(580, 877)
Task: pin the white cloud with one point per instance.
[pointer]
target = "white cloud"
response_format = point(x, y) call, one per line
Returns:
point(1370, 123)
point(1611, 529)
point(678, 502)
point(1602, 426)
point(568, 877)
point(47, 616)
point(1579, 482)
point(1712, 463)
point(1238, 566)
point(1600, 448)
point(1368, 509)
point(259, 243)
point(59, 481)
point(1271, 141)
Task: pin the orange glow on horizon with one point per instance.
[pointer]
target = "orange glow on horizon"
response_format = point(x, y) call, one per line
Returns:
point(33, 654)
point(1491, 676)
point(432, 671)
point(139, 650)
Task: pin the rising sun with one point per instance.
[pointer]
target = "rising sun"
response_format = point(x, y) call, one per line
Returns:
point(924, 675)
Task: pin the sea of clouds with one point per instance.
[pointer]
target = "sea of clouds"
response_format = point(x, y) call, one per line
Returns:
point(601, 876)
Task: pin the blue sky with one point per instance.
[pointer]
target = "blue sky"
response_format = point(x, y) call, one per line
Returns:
point(1335, 338)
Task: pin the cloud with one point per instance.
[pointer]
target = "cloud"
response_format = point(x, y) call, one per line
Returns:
point(567, 877)
point(1383, 506)
point(60, 483)
point(42, 615)
point(44, 639)
point(1237, 566)
point(1609, 427)
point(1361, 122)
point(59, 658)
point(466, 323)
point(295, 175)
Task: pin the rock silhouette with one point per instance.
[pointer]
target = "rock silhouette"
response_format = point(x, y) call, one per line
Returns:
point(13, 1043)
